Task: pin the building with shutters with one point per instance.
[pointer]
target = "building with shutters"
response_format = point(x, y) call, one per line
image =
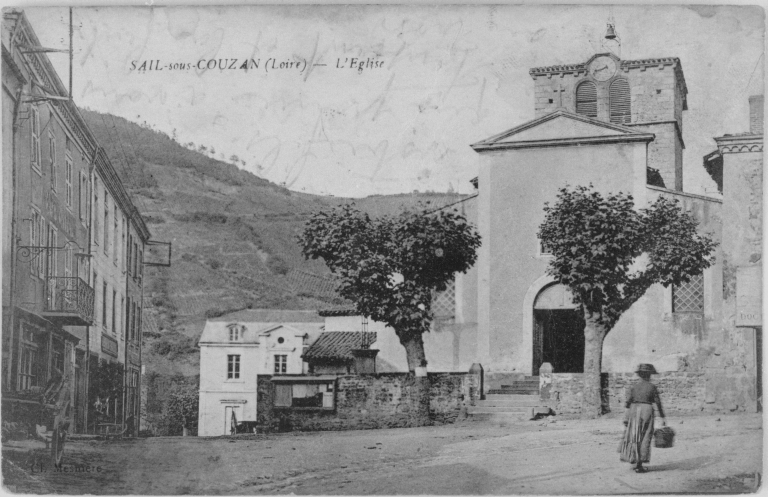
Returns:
point(72, 246)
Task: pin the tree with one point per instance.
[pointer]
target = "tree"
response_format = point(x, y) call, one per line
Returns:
point(182, 408)
point(389, 267)
point(609, 254)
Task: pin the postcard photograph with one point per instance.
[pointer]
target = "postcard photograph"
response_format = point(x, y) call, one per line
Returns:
point(382, 249)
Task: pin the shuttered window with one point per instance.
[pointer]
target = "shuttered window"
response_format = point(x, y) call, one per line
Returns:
point(620, 102)
point(586, 99)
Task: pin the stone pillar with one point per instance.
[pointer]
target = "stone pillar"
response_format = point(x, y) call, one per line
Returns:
point(477, 370)
point(545, 381)
point(364, 361)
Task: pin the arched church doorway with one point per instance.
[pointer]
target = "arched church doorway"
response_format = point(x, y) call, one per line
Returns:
point(558, 331)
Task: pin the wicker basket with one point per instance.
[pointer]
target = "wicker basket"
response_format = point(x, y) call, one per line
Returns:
point(664, 438)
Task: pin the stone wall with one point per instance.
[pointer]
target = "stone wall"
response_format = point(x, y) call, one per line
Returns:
point(373, 401)
point(681, 392)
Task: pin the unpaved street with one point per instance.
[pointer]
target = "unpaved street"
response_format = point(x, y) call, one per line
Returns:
point(536, 457)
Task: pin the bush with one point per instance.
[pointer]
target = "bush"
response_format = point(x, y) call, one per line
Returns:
point(153, 219)
point(214, 313)
point(201, 217)
point(182, 409)
point(214, 263)
point(162, 347)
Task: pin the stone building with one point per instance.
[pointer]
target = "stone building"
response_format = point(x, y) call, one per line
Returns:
point(616, 124)
point(62, 198)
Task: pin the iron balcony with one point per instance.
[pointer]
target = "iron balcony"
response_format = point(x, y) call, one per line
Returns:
point(69, 301)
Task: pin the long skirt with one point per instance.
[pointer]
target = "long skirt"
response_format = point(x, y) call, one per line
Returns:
point(636, 444)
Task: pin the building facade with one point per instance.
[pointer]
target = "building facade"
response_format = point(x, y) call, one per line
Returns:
point(617, 125)
point(56, 175)
point(232, 355)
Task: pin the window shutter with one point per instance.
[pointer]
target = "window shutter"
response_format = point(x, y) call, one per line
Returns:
point(620, 102)
point(586, 99)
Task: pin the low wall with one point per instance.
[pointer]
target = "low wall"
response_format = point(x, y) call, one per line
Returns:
point(371, 401)
point(681, 392)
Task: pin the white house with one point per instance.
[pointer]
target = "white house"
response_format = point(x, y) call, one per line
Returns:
point(233, 353)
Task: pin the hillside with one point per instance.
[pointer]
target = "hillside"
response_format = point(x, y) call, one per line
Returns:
point(233, 237)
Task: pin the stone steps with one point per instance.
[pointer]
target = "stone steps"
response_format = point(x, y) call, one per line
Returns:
point(529, 385)
point(492, 400)
point(506, 408)
point(520, 410)
point(514, 391)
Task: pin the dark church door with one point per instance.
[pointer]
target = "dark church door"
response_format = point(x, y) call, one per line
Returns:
point(562, 339)
point(558, 331)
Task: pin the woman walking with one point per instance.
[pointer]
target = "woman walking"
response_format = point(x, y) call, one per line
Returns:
point(635, 447)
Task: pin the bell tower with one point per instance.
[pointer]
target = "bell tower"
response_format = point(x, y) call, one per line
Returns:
point(648, 93)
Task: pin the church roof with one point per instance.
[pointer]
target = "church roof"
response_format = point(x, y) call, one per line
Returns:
point(561, 128)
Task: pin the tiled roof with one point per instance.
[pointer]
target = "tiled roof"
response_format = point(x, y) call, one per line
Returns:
point(337, 345)
point(338, 311)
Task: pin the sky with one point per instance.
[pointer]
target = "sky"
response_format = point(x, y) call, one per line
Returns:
point(434, 79)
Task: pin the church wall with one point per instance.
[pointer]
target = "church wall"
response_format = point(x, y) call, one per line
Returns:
point(742, 207)
point(665, 153)
point(654, 94)
point(731, 360)
point(514, 185)
point(676, 340)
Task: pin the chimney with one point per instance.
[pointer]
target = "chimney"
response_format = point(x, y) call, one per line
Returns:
point(756, 114)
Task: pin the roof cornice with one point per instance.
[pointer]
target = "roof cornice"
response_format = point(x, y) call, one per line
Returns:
point(628, 134)
point(735, 144)
point(566, 142)
point(624, 65)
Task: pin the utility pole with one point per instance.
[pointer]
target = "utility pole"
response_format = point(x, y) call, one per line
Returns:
point(70, 54)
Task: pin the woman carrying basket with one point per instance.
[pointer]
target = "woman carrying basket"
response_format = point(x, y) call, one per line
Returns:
point(635, 447)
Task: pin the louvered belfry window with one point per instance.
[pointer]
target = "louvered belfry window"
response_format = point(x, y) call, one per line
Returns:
point(621, 111)
point(689, 297)
point(586, 99)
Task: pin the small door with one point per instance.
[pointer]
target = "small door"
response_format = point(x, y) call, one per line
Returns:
point(228, 410)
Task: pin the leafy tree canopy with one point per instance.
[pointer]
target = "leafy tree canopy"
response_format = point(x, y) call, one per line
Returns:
point(390, 266)
point(609, 254)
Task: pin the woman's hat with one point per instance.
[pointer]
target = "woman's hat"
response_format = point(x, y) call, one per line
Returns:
point(646, 368)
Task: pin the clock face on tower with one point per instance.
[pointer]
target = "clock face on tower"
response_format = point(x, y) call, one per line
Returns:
point(602, 68)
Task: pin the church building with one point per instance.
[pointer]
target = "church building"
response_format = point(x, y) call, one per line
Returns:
point(618, 125)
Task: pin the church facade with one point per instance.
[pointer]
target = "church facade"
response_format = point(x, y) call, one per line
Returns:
point(616, 124)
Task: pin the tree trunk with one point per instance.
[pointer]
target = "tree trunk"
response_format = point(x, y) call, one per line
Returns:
point(419, 389)
point(414, 350)
point(592, 399)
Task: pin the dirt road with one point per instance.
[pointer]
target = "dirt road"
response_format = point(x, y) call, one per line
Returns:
point(718, 454)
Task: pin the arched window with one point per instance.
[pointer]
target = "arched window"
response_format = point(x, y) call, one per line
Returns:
point(620, 103)
point(586, 99)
